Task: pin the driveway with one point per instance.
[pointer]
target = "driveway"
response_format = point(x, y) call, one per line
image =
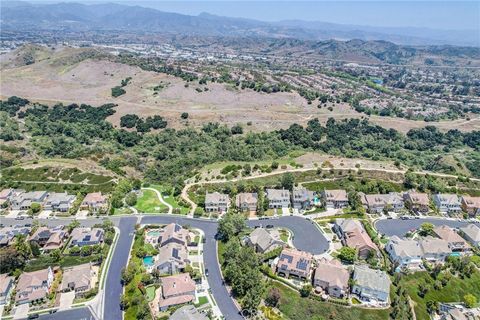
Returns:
point(285, 211)
point(66, 300)
point(21, 311)
point(44, 214)
point(12, 214)
point(81, 214)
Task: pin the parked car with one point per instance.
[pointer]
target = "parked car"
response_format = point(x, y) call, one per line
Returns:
point(206, 272)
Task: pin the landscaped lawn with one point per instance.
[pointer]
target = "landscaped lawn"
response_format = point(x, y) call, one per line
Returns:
point(149, 203)
point(284, 235)
point(201, 301)
point(44, 261)
point(150, 293)
point(170, 199)
point(452, 292)
point(295, 307)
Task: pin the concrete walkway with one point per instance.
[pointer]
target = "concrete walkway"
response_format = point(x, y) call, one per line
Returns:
point(160, 198)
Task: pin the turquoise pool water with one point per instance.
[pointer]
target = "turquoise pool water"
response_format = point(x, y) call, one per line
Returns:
point(153, 233)
point(148, 261)
point(455, 254)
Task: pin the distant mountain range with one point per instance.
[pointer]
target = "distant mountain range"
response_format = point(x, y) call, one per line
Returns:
point(19, 15)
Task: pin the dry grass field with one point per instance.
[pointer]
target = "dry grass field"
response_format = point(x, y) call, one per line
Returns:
point(64, 75)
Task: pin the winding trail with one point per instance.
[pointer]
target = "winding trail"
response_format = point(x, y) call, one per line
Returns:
point(160, 198)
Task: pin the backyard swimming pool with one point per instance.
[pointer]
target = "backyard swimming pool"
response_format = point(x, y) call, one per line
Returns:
point(148, 261)
point(153, 233)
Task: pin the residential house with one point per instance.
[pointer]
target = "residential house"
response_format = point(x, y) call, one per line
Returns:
point(247, 202)
point(472, 234)
point(188, 312)
point(94, 202)
point(33, 286)
point(174, 233)
point(353, 234)
point(278, 198)
point(217, 202)
point(332, 277)
point(435, 250)
point(49, 238)
point(8, 234)
point(5, 195)
point(263, 240)
point(447, 203)
point(176, 289)
point(334, 199)
point(293, 262)
point(172, 258)
point(79, 279)
point(377, 203)
point(471, 205)
point(416, 201)
point(86, 236)
point(23, 200)
point(455, 242)
point(303, 199)
point(61, 202)
point(6, 286)
point(370, 284)
point(407, 253)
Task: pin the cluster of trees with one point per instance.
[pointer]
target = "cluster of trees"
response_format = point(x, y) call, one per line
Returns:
point(401, 309)
point(123, 190)
point(132, 120)
point(76, 131)
point(242, 267)
point(117, 91)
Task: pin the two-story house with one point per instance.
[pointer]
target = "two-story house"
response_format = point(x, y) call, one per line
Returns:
point(407, 253)
point(455, 242)
point(471, 205)
point(447, 203)
point(23, 200)
point(86, 236)
point(33, 286)
point(416, 201)
point(377, 203)
point(332, 277)
point(370, 284)
point(177, 289)
point(247, 202)
point(334, 199)
point(296, 263)
point(61, 202)
point(278, 198)
point(94, 202)
point(217, 202)
point(302, 198)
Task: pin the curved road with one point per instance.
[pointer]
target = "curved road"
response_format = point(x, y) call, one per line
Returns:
point(398, 227)
point(306, 237)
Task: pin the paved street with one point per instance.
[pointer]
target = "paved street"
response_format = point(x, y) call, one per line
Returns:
point(72, 314)
point(398, 227)
point(113, 286)
point(306, 237)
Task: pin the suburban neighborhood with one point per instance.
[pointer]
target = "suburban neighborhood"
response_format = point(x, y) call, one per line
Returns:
point(351, 269)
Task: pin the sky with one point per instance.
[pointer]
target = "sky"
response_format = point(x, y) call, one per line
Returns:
point(448, 15)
